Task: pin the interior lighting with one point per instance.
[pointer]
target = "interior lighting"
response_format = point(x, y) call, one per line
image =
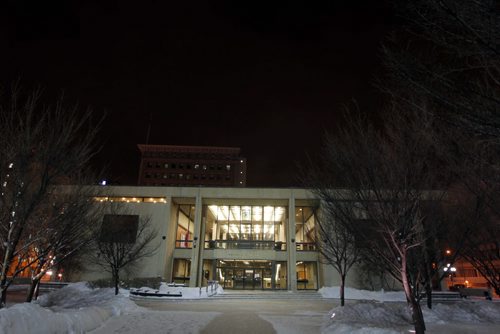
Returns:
point(49, 272)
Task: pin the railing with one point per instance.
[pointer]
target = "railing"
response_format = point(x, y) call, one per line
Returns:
point(306, 246)
point(183, 243)
point(245, 244)
point(211, 288)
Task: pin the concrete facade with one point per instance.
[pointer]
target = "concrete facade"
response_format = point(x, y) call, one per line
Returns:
point(281, 259)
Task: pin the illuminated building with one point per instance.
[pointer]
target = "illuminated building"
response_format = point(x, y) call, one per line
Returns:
point(244, 238)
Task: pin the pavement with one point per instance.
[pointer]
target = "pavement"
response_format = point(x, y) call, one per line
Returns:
point(254, 315)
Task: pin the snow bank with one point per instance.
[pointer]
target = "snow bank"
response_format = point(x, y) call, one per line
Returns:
point(72, 309)
point(395, 317)
point(382, 296)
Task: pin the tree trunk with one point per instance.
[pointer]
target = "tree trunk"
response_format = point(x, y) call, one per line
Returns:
point(33, 290)
point(37, 290)
point(428, 293)
point(116, 280)
point(3, 297)
point(342, 288)
point(416, 311)
point(3, 275)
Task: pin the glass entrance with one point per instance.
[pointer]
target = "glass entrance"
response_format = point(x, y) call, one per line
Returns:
point(246, 275)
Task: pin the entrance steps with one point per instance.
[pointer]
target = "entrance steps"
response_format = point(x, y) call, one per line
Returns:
point(259, 294)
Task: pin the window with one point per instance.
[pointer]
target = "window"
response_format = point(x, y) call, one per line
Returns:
point(181, 271)
point(185, 226)
point(304, 228)
point(245, 227)
point(307, 278)
point(228, 167)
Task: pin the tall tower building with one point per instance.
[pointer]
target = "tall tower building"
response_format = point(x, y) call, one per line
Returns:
point(172, 165)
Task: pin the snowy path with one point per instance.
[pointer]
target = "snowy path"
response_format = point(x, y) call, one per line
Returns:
point(175, 322)
point(254, 316)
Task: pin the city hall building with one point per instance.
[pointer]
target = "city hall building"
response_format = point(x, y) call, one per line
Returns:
point(244, 238)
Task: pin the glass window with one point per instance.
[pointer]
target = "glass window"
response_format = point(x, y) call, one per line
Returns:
point(307, 278)
point(304, 228)
point(185, 226)
point(281, 275)
point(181, 271)
point(253, 227)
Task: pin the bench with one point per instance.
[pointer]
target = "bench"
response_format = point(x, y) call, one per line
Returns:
point(443, 295)
point(471, 292)
point(153, 293)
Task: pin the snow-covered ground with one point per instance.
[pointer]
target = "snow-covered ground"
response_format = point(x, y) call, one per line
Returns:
point(78, 309)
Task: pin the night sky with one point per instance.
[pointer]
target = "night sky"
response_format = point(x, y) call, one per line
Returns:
point(267, 76)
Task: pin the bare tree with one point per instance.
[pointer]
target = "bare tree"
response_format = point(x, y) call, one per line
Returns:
point(336, 243)
point(449, 53)
point(64, 227)
point(41, 146)
point(475, 215)
point(387, 174)
point(121, 243)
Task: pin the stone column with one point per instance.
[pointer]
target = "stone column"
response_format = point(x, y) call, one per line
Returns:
point(291, 247)
point(197, 244)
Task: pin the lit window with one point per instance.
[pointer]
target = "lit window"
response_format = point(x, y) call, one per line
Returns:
point(165, 165)
point(196, 166)
point(228, 167)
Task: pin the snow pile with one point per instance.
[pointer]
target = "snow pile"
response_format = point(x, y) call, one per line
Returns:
point(176, 292)
point(368, 317)
point(350, 293)
point(466, 312)
point(72, 309)
point(394, 317)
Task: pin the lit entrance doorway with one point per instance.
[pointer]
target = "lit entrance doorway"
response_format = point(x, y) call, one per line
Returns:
point(251, 274)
